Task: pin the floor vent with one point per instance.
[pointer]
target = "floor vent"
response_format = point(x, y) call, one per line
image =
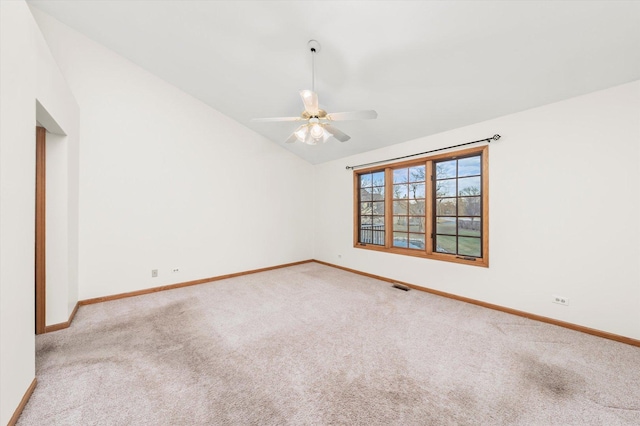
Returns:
point(400, 287)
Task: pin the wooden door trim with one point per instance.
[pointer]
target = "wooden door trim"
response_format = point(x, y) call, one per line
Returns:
point(40, 231)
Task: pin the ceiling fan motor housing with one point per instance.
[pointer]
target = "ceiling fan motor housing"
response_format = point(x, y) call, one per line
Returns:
point(321, 114)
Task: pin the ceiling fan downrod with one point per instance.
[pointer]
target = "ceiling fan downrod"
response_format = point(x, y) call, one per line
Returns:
point(314, 47)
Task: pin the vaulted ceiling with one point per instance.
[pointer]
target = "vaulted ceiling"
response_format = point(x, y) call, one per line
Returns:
point(425, 67)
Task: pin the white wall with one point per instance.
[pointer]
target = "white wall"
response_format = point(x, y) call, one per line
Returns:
point(17, 178)
point(27, 74)
point(168, 182)
point(57, 243)
point(564, 200)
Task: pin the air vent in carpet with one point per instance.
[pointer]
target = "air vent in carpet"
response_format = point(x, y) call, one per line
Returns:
point(400, 287)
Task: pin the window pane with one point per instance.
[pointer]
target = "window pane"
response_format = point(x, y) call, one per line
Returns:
point(468, 246)
point(446, 188)
point(446, 169)
point(416, 241)
point(378, 222)
point(469, 226)
point(378, 207)
point(446, 225)
point(366, 220)
point(416, 174)
point(372, 235)
point(469, 186)
point(416, 207)
point(469, 206)
point(365, 195)
point(400, 207)
point(400, 175)
point(416, 190)
point(446, 206)
point(469, 166)
point(416, 224)
point(400, 239)
point(378, 179)
point(365, 208)
point(365, 180)
point(377, 193)
point(400, 191)
point(400, 223)
point(446, 244)
point(366, 236)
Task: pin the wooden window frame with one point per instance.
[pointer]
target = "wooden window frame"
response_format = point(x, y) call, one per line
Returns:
point(428, 252)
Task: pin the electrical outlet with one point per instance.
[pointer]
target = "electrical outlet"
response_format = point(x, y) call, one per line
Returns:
point(561, 300)
point(174, 270)
point(154, 273)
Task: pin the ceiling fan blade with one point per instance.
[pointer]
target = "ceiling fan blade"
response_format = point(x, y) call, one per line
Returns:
point(310, 100)
point(341, 136)
point(270, 119)
point(353, 115)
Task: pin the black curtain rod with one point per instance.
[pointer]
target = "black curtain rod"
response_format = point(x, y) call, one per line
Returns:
point(494, 138)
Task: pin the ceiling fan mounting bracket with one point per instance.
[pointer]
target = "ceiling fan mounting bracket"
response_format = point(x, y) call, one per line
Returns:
point(314, 46)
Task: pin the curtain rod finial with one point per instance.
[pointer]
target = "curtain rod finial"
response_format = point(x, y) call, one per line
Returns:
point(496, 137)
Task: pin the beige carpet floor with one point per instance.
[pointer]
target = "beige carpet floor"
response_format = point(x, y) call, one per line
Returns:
point(314, 345)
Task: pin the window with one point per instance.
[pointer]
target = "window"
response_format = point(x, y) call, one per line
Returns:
point(458, 206)
point(409, 207)
point(371, 217)
point(434, 207)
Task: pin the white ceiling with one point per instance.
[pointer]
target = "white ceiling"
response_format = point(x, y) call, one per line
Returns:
point(426, 67)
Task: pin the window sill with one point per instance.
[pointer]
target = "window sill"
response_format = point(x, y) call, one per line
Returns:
point(481, 262)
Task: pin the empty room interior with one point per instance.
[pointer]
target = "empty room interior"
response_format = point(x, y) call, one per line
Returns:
point(288, 212)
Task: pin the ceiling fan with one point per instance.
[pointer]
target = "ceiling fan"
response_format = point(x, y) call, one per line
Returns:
point(318, 127)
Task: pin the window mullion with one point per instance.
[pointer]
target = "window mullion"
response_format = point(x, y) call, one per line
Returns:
point(388, 207)
point(356, 209)
point(485, 203)
point(429, 209)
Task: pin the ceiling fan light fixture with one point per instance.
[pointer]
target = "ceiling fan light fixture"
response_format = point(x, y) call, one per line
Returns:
point(322, 137)
point(302, 133)
point(317, 131)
